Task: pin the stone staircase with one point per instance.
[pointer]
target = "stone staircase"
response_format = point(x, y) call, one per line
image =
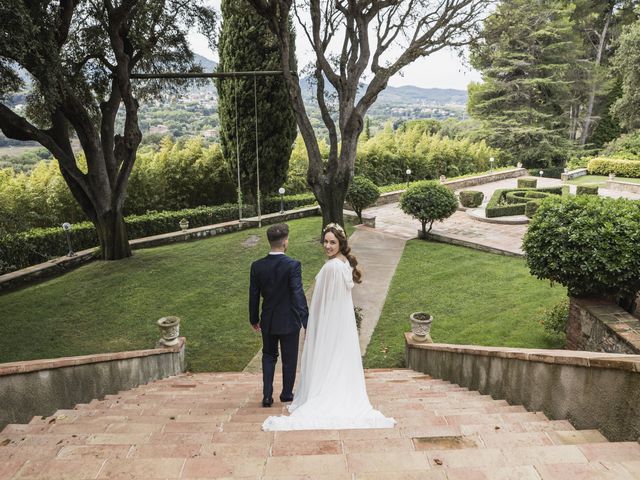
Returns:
point(207, 425)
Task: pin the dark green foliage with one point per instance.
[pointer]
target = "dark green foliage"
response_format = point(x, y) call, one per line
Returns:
point(608, 127)
point(471, 198)
point(362, 194)
point(627, 63)
point(554, 319)
point(246, 44)
point(531, 207)
point(587, 243)
point(547, 172)
point(428, 202)
point(527, 182)
point(41, 244)
point(621, 168)
point(526, 54)
point(587, 190)
point(627, 146)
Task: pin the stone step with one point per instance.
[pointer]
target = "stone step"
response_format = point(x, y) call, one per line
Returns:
point(208, 426)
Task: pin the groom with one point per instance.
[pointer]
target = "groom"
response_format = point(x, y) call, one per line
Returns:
point(278, 278)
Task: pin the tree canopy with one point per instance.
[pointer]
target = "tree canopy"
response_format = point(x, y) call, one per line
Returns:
point(76, 59)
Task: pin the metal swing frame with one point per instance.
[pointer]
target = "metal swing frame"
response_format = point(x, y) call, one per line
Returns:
point(226, 75)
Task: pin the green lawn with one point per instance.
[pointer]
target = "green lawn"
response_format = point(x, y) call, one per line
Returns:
point(475, 298)
point(599, 180)
point(113, 306)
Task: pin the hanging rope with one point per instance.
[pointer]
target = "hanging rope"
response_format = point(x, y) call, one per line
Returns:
point(255, 109)
point(235, 96)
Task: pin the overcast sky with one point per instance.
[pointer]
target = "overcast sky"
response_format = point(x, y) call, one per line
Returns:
point(443, 69)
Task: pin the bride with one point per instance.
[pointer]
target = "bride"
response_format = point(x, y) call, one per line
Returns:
point(332, 392)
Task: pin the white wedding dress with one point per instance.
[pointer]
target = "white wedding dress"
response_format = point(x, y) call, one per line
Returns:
point(332, 392)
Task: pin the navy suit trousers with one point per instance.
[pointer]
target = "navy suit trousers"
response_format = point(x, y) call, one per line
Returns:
point(289, 348)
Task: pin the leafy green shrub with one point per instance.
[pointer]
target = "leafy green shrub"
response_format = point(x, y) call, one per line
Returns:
point(587, 190)
point(625, 146)
point(554, 320)
point(587, 243)
point(428, 202)
point(362, 194)
point(531, 207)
point(38, 245)
point(272, 204)
point(622, 168)
point(527, 182)
point(471, 198)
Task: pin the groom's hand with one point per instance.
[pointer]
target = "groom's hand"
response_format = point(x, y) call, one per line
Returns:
point(256, 327)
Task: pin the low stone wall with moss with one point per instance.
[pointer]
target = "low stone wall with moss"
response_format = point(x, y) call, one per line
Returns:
point(602, 326)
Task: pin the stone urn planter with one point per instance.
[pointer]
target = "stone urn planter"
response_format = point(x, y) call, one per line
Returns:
point(169, 330)
point(184, 224)
point(421, 327)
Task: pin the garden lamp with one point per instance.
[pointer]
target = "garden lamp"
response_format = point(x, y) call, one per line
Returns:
point(66, 226)
point(541, 172)
point(408, 172)
point(281, 191)
point(491, 160)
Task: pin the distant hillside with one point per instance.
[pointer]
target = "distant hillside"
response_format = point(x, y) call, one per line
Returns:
point(407, 95)
point(207, 65)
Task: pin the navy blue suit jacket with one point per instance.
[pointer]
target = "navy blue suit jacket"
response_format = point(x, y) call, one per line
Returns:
point(278, 279)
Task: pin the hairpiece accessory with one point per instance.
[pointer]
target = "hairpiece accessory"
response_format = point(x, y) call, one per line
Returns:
point(334, 225)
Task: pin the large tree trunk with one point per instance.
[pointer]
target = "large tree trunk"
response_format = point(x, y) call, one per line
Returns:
point(112, 234)
point(586, 127)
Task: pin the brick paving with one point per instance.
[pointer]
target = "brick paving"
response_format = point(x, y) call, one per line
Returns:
point(207, 426)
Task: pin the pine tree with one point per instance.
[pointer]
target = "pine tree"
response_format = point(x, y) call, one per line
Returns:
point(246, 44)
point(526, 54)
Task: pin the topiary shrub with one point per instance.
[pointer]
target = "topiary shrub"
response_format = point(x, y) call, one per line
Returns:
point(531, 208)
point(471, 198)
point(588, 244)
point(554, 320)
point(428, 202)
point(527, 182)
point(587, 190)
point(362, 193)
point(622, 168)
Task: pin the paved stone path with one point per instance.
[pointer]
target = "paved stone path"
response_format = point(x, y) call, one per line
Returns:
point(378, 255)
point(207, 426)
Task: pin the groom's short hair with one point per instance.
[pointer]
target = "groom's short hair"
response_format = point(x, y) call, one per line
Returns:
point(277, 233)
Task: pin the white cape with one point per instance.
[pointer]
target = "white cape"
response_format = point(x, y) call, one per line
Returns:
point(332, 392)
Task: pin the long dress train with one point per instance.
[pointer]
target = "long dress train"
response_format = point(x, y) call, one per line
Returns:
point(332, 392)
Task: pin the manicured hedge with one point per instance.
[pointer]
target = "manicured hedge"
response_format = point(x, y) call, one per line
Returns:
point(513, 201)
point(38, 245)
point(527, 182)
point(272, 204)
point(548, 172)
point(587, 190)
point(471, 198)
point(531, 208)
point(622, 168)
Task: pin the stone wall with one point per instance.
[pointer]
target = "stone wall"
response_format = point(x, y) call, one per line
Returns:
point(393, 197)
point(591, 390)
point(40, 387)
point(623, 186)
point(580, 172)
point(601, 326)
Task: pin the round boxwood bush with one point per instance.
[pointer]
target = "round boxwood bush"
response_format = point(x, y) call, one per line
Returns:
point(471, 198)
point(428, 202)
point(362, 193)
point(589, 244)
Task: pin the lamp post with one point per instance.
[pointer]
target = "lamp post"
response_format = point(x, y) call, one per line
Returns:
point(408, 172)
point(491, 160)
point(66, 226)
point(281, 191)
point(541, 172)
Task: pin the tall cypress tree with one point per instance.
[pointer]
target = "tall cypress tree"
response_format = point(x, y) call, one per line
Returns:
point(525, 56)
point(246, 44)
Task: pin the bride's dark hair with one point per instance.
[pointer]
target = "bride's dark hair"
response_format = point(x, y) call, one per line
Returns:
point(345, 250)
